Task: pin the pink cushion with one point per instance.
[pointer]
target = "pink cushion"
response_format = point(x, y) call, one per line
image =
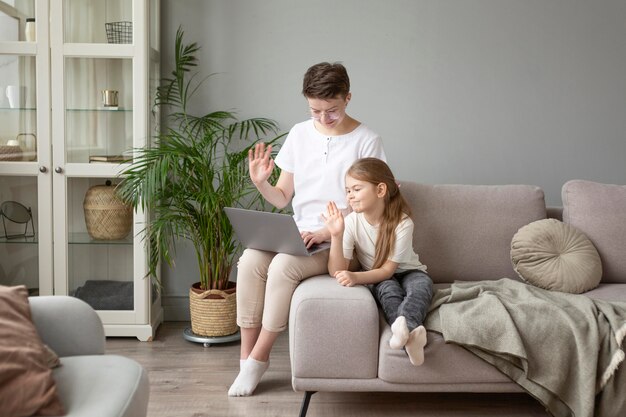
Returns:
point(464, 232)
point(26, 383)
point(599, 211)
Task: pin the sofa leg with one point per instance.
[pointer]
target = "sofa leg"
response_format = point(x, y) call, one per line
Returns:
point(305, 402)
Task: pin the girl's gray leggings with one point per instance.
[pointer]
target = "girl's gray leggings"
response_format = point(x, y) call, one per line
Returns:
point(407, 294)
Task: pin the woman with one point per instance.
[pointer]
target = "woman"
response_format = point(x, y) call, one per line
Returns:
point(313, 162)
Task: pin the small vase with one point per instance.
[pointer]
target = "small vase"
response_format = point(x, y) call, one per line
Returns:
point(29, 30)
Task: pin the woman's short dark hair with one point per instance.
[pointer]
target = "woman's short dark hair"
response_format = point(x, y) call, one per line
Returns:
point(326, 81)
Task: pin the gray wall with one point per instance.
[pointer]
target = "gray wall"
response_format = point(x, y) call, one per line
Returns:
point(462, 91)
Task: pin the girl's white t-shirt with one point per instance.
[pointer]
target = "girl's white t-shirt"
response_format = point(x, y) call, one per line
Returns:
point(360, 236)
point(319, 163)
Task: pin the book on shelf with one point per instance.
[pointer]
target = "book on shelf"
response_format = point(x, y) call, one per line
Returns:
point(107, 158)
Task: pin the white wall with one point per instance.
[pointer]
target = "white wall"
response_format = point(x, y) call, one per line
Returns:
point(462, 91)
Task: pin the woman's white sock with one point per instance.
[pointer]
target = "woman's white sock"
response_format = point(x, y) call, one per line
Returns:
point(248, 378)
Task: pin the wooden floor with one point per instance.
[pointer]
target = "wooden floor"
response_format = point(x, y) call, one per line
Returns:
point(189, 380)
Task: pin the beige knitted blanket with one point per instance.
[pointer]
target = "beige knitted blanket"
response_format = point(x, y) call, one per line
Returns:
point(563, 349)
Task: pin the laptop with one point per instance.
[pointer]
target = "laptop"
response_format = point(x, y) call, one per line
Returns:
point(273, 232)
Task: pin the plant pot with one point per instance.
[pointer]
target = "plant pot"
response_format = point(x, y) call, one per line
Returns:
point(213, 312)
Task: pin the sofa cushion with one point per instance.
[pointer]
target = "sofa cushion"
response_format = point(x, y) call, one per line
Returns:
point(102, 385)
point(444, 363)
point(555, 256)
point(463, 232)
point(26, 383)
point(608, 292)
point(599, 211)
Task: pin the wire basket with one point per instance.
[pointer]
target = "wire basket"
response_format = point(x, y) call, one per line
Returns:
point(119, 32)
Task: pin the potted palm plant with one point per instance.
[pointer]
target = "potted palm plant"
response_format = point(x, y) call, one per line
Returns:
point(195, 168)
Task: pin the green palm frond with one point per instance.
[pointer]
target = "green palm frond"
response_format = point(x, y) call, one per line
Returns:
point(196, 167)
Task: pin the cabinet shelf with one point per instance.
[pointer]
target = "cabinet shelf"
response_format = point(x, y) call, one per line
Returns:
point(74, 239)
point(98, 50)
point(85, 239)
point(19, 47)
point(18, 109)
point(19, 240)
point(101, 109)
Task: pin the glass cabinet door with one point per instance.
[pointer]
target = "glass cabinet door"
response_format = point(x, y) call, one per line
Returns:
point(18, 108)
point(17, 20)
point(98, 117)
point(25, 180)
point(100, 245)
point(98, 21)
point(19, 244)
point(100, 82)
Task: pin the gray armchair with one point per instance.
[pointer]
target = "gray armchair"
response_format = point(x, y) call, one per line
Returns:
point(90, 383)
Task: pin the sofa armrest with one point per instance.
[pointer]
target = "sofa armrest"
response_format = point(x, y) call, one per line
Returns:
point(333, 330)
point(68, 325)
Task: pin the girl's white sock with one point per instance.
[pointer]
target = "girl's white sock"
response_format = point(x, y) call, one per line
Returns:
point(400, 333)
point(248, 378)
point(415, 346)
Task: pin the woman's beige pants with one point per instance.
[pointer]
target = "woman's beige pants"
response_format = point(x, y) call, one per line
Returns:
point(265, 283)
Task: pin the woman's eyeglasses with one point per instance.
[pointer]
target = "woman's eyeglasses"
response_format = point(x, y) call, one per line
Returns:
point(330, 114)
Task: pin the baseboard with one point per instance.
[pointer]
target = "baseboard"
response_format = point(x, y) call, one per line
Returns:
point(175, 307)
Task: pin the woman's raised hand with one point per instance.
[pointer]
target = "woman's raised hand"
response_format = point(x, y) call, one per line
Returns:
point(260, 163)
point(333, 219)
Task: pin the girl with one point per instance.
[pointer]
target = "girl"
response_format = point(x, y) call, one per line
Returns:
point(380, 231)
point(313, 162)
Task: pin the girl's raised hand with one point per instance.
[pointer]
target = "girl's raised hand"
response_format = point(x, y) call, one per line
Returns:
point(260, 163)
point(333, 219)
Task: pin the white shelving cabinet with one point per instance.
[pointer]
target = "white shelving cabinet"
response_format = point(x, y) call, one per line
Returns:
point(109, 274)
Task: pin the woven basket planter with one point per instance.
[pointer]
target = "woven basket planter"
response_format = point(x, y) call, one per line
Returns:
point(213, 312)
point(106, 215)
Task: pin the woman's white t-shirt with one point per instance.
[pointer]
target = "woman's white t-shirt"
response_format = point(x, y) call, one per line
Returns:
point(360, 236)
point(319, 163)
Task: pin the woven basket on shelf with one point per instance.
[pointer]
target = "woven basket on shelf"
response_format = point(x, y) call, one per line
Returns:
point(10, 153)
point(106, 215)
point(213, 312)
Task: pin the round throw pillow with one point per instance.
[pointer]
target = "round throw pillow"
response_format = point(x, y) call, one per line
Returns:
point(556, 256)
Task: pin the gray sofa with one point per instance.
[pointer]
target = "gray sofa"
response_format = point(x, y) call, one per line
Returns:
point(339, 340)
point(89, 382)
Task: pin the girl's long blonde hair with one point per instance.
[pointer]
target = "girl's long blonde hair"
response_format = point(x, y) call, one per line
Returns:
point(376, 171)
